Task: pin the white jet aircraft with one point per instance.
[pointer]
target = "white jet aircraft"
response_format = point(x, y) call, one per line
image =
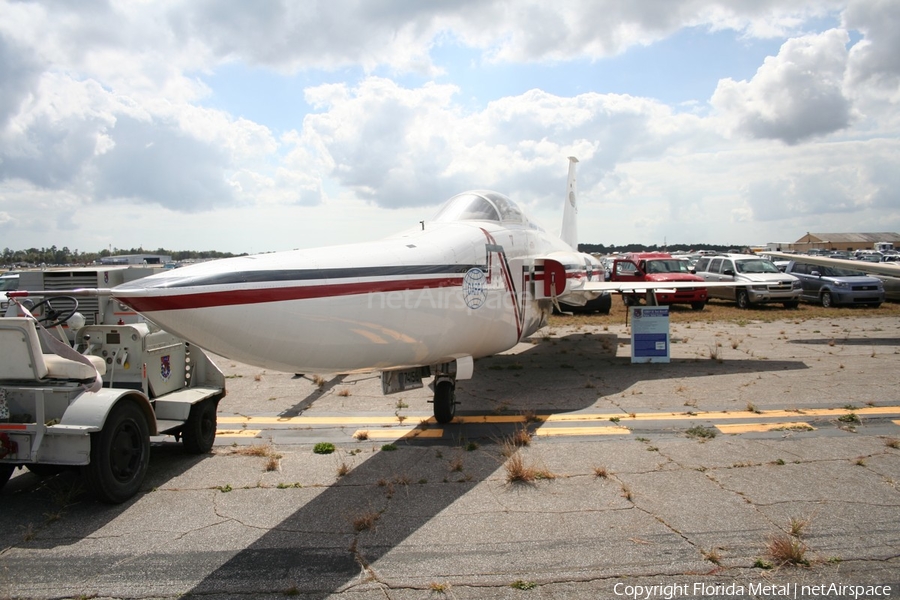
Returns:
point(475, 280)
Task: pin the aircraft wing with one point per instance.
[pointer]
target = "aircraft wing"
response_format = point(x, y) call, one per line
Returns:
point(883, 269)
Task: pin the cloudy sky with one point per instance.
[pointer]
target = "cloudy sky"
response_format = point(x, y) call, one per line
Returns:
point(271, 125)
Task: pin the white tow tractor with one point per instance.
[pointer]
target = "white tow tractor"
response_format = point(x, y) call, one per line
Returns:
point(146, 382)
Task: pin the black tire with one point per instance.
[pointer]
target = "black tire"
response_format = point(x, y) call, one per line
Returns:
point(199, 431)
point(792, 304)
point(120, 453)
point(743, 299)
point(6, 472)
point(826, 299)
point(697, 305)
point(444, 401)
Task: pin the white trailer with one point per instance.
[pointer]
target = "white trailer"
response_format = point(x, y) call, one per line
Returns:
point(149, 383)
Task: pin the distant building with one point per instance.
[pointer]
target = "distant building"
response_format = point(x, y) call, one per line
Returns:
point(842, 241)
point(136, 259)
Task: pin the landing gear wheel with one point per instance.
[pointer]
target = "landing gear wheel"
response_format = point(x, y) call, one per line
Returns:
point(199, 431)
point(444, 401)
point(120, 453)
point(6, 472)
point(743, 299)
point(827, 301)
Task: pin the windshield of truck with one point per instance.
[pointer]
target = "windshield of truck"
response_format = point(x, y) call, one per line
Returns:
point(756, 265)
point(667, 266)
point(7, 284)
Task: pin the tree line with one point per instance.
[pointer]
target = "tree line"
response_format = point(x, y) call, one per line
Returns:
point(612, 249)
point(64, 256)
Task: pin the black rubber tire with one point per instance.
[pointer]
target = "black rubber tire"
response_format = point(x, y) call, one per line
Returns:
point(444, 401)
point(199, 432)
point(6, 472)
point(743, 299)
point(826, 299)
point(697, 305)
point(120, 453)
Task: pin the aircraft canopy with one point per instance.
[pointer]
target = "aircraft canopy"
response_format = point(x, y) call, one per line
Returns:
point(480, 206)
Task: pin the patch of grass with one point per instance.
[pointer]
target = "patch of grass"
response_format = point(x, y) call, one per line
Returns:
point(601, 472)
point(361, 435)
point(892, 443)
point(787, 550)
point(389, 447)
point(365, 521)
point(439, 588)
point(712, 555)
point(225, 488)
point(261, 450)
point(519, 471)
point(850, 417)
point(323, 448)
point(343, 469)
point(701, 432)
point(523, 585)
point(796, 526)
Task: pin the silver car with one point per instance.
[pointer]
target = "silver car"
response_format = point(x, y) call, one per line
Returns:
point(830, 286)
point(765, 283)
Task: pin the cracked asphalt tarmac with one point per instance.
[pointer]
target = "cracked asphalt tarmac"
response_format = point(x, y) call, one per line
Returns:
point(626, 475)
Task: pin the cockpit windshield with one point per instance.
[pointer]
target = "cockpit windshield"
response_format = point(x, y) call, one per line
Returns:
point(480, 206)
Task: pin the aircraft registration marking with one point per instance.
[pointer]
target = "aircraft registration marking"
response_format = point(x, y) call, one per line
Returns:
point(762, 427)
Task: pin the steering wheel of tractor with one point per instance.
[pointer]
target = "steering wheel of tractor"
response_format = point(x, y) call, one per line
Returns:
point(56, 316)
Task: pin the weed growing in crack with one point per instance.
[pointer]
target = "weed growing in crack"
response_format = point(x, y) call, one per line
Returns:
point(701, 432)
point(787, 550)
point(365, 521)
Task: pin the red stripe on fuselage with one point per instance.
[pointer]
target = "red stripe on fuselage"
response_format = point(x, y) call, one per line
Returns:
point(280, 294)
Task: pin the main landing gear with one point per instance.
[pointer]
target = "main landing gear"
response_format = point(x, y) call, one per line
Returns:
point(444, 398)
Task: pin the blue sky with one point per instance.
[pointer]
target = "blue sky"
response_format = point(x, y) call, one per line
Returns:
point(260, 127)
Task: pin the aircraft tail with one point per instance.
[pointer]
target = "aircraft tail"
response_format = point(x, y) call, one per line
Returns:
point(569, 233)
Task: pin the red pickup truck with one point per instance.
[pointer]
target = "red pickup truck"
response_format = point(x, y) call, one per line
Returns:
point(659, 266)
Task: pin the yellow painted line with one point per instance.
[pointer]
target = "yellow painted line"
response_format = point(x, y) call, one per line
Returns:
point(238, 432)
point(397, 433)
point(558, 431)
point(760, 427)
point(620, 417)
point(896, 422)
point(357, 420)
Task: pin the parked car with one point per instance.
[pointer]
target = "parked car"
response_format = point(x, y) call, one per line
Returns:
point(832, 286)
point(8, 283)
point(659, 267)
point(766, 282)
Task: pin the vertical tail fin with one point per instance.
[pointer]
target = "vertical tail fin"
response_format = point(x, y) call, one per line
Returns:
point(569, 233)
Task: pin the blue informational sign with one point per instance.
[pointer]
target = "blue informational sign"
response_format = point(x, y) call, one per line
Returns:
point(650, 334)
